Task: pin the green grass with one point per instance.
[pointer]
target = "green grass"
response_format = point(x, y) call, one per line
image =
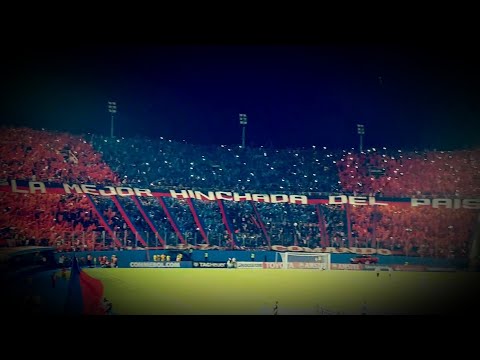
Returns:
point(238, 291)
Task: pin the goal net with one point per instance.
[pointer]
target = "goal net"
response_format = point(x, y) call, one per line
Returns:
point(297, 260)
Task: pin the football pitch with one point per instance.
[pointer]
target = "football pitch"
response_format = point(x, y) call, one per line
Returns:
point(298, 292)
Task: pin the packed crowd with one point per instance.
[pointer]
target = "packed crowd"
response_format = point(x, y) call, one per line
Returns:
point(422, 230)
point(70, 221)
point(28, 154)
point(170, 164)
point(50, 219)
point(398, 173)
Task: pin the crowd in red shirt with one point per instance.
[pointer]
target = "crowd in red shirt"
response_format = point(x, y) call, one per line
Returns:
point(421, 231)
point(406, 174)
point(50, 219)
point(35, 155)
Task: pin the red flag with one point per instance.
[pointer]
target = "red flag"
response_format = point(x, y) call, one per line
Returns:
point(85, 293)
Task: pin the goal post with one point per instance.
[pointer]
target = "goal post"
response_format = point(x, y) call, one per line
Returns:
point(298, 260)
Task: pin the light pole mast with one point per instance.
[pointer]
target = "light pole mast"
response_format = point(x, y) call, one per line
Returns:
point(112, 109)
point(361, 132)
point(243, 122)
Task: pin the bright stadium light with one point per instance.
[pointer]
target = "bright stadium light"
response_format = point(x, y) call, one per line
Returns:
point(243, 122)
point(112, 109)
point(361, 132)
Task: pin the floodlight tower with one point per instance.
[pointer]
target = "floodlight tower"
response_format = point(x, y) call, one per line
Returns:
point(243, 122)
point(361, 132)
point(112, 109)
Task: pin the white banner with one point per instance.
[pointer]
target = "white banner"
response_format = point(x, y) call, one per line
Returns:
point(39, 187)
point(272, 265)
point(347, 266)
point(294, 265)
point(249, 265)
point(151, 264)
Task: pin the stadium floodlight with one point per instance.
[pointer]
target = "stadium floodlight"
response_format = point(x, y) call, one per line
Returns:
point(112, 109)
point(361, 132)
point(243, 122)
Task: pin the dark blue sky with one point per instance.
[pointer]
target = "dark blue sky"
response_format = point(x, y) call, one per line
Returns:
point(295, 94)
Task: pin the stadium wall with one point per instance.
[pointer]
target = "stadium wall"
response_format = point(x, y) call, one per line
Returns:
point(127, 256)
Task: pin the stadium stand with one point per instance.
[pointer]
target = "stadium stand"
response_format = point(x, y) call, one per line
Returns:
point(71, 222)
point(419, 173)
point(28, 154)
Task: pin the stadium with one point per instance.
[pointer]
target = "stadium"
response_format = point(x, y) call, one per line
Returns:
point(152, 225)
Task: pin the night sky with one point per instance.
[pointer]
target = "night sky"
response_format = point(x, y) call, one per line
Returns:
point(295, 93)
